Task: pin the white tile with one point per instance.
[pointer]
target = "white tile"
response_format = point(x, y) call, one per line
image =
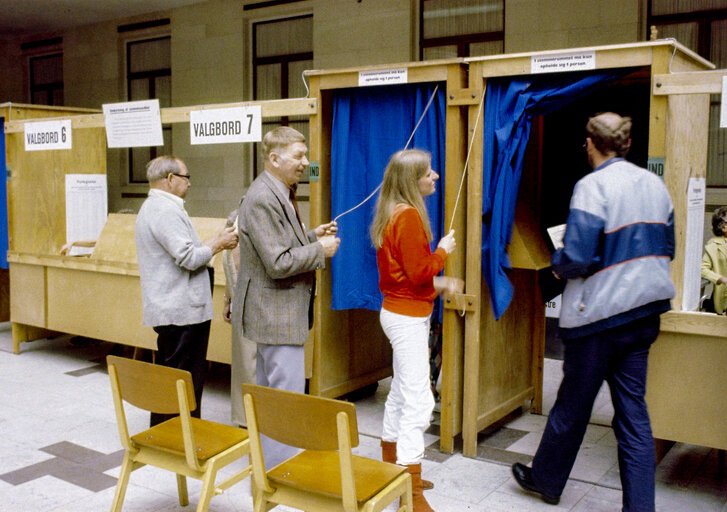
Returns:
point(527, 445)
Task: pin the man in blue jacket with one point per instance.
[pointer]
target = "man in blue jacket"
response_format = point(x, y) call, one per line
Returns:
point(618, 245)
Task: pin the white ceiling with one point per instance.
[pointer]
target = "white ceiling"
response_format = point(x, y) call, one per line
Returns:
point(20, 18)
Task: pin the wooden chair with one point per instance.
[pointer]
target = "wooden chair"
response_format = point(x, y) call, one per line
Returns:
point(184, 445)
point(326, 476)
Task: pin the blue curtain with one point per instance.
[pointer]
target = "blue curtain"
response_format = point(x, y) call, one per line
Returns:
point(3, 199)
point(369, 125)
point(510, 106)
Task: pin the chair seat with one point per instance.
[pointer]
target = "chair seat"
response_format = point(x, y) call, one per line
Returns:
point(211, 438)
point(318, 471)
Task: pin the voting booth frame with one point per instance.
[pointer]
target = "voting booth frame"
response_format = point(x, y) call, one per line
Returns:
point(490, 367)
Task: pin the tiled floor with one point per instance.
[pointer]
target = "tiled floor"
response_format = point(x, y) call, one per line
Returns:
point(59, 447)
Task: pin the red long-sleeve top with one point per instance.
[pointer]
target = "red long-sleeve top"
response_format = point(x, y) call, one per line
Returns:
point(407, 265)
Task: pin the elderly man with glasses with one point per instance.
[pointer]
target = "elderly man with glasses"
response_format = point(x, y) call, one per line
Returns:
point(176, 283)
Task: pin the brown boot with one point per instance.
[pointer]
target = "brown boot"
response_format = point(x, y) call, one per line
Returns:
point(417, 494)
point(388, 454)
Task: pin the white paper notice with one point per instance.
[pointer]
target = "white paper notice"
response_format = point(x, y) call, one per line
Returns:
point(723, 109)
point(694, 240)
point(562, 62)
point(221, 125)
point(133, 124)
point(86, 209)
point(556, 234)
point(46, 135)
point(383, 77)
point(552, 307)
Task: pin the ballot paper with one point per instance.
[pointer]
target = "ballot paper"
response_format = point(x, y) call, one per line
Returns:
point(556, 234)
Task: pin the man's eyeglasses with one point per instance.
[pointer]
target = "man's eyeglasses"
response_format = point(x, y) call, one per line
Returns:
point(187, 176)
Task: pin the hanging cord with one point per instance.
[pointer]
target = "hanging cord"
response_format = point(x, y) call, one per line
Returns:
point(305, 84)
point(466, 162)
point(673, 40)
point(426, 108)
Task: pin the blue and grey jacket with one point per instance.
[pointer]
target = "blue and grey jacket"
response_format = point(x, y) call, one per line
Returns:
point(618, 244)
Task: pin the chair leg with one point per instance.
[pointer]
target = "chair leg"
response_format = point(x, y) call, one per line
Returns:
point(258, 498)
point(407, 503)
point(123, 482)
point(182, 490)
point(208, 490)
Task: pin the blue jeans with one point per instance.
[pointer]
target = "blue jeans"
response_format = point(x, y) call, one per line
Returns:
point(618, 356)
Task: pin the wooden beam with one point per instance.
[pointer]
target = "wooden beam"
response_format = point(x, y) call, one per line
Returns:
point(692, 82)
point(270, 108)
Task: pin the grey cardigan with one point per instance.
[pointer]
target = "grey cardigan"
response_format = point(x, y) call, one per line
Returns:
point(175, 284)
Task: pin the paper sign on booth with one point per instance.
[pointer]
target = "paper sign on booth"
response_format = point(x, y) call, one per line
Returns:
point(86, 209)
point(133, 124)
point(46, 135)
point(223, 125)
point(562, 62)
point(696, 193)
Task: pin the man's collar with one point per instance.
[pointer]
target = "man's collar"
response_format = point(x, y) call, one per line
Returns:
point(163, 193)
point(608, 162)
point(284, 189)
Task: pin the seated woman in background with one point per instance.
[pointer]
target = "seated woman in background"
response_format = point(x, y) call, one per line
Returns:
point(714, 261)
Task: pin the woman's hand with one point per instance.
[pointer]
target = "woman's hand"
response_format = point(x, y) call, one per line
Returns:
point(448, 243)
point(448, 285)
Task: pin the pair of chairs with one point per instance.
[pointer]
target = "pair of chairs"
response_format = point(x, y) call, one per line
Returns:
point(325, 476)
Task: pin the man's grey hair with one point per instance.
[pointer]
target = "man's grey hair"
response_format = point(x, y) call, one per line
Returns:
point(161, 167)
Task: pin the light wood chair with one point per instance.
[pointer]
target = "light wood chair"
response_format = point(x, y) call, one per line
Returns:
point(326, 476)
point(184, 445)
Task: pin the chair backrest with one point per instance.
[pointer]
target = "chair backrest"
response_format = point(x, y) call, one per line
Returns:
point(303, 421)
point(151, 387)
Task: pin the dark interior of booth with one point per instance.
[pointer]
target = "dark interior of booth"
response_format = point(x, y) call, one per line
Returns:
point(555, 160)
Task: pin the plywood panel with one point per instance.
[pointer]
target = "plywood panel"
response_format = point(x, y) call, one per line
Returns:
point(27, 294)
point(108, 307)
point(506, 345)
point(687, 128)
point(36, 190)
point(685, 389)
point(97, 305)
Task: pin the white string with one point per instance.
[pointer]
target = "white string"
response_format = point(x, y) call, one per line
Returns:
point(674, 41)
point(307, 90)
point(426, 108)
point(466, 162)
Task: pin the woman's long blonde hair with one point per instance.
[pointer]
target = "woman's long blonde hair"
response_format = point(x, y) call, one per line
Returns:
point(401, 185)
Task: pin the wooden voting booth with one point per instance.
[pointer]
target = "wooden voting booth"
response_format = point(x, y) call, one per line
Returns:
point(686, 368)
point(351, 350)
point(14, 112)
point(98, 296)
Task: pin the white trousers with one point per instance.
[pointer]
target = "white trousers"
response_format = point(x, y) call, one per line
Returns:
point(410, 402)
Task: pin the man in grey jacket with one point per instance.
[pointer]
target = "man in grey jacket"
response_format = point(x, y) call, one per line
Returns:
point(176, 284)
point(273, 299)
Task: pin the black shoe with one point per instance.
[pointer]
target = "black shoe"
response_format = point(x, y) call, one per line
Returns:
point(524, 478)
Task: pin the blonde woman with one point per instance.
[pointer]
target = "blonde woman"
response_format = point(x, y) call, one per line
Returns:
point(407, 268)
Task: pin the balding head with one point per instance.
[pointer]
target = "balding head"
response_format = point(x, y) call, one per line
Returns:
point(610, 133)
